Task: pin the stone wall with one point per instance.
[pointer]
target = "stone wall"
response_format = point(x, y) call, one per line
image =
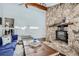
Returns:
point(54, 15)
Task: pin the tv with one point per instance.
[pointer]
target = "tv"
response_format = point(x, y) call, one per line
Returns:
point(62, 35)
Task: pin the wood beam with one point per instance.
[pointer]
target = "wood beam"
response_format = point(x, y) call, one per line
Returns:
point(36, 5)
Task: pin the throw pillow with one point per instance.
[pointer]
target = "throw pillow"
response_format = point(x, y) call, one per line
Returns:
point(6, 39)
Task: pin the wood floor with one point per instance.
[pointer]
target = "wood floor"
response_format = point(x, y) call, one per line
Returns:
point(42, 50)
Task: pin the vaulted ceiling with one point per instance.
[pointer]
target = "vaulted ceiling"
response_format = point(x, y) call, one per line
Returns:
point(43, 6)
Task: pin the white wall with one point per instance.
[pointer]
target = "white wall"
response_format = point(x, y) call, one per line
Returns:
point(24, 17)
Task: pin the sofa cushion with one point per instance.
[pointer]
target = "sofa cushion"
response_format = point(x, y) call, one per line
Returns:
point(14, 38)
point(7, 52)
point(8, 46)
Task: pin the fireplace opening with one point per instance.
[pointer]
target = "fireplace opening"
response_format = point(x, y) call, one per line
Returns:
point(62, 35)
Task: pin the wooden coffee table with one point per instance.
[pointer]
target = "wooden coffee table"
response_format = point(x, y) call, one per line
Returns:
point(42, 50)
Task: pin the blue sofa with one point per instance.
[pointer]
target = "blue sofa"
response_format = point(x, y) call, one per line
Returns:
point(8, 49)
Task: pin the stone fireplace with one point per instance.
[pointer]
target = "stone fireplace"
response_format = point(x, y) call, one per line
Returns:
point(54, 17)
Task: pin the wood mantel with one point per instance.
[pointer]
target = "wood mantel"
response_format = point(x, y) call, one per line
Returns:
point(36, 5)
